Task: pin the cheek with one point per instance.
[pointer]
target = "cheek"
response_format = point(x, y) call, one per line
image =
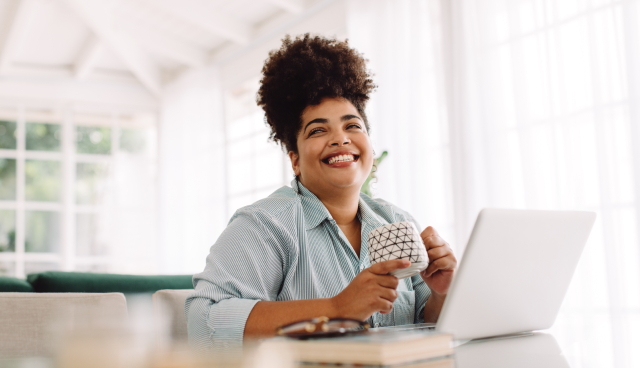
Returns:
point(309, 153)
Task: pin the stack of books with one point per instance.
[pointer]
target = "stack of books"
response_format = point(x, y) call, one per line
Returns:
point(422, 348)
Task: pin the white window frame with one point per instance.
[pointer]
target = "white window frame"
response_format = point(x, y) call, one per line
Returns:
point(66, 258)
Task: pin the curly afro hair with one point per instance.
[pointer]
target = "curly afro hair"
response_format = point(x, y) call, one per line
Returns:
point(303, 72)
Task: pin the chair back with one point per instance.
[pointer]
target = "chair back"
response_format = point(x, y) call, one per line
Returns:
point(168, 310)
point(34, 324)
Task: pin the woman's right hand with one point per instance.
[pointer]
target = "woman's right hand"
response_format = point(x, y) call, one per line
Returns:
point(372, 290)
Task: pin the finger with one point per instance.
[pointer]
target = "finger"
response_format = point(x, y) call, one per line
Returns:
point(441, 264)
point(383, 268)
point(434, 241)
point(388, 294)
point(429, 231)
point(386, 307)
point(439, 252)
point(387, 281)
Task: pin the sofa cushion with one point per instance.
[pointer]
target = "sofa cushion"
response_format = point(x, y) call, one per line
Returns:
point(81, 282)
point(12, 284)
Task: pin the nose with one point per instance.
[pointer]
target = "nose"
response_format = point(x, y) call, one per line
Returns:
point(339, 139)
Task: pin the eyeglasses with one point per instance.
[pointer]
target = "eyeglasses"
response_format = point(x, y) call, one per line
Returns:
point(322, 327)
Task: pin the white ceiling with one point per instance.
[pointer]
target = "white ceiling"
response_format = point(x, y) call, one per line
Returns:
point(145, 41)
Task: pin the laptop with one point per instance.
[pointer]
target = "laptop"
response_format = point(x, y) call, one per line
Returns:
point(514, 273)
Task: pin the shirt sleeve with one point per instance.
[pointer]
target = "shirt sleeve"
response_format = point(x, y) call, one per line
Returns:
point(247, 264)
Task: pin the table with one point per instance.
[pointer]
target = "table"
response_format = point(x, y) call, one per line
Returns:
point(577, 340)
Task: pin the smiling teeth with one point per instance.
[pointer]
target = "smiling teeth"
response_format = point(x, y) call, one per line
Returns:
point(341, 158)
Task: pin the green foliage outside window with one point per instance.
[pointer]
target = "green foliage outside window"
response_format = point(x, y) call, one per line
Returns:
point(7, 134)
point(133, 140)
point(7, 179)
point(43, 137)
point(93, 140)
point(7, 231)
point(43, 180)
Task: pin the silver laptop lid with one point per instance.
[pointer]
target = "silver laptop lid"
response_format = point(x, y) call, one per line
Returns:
point(514, 272)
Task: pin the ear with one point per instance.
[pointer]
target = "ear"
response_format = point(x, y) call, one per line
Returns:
point(295, 162)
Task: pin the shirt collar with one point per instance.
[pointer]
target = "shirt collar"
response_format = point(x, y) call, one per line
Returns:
point(315, 212)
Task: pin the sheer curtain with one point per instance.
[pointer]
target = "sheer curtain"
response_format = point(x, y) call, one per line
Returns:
point(542, 110)
point(408, 112)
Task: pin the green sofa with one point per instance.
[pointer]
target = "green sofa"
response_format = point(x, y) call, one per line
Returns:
point(82, 282)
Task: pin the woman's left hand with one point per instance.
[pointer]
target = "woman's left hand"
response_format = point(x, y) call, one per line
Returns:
point(442, 262)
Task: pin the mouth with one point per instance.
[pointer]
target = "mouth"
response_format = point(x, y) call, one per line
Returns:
point(340, 159)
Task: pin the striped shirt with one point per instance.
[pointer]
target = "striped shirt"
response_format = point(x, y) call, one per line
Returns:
point(287, 247)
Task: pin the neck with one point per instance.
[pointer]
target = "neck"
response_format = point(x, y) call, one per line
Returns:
point(342, 204)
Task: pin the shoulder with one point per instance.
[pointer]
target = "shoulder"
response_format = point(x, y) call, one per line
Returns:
point(278, 205)
point(261, 226)
point(387, 210)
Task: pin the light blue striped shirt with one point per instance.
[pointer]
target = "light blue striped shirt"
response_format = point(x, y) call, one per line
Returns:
point(287, 247)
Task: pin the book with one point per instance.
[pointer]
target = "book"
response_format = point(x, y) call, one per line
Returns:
point(441, 362)
point(377, 347)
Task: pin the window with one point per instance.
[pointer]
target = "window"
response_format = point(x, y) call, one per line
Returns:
point(77, 190)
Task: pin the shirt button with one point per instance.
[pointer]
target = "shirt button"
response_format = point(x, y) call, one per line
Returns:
point(361, 267)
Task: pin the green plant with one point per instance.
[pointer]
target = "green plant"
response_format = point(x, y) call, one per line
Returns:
point(366, 187)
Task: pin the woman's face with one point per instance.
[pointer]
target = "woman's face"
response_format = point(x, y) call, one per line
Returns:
point(334, 149)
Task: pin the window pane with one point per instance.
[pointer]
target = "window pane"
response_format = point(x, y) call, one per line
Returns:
point(7, 179)
point(91, 182)
point(42, 231)
point(7, 268)
point(37, 267)
point(42, 180)
point(7, 231)
point(89, 239)
point(7, 134)
point(43, 137)
point(93, 140)
point(134, 140)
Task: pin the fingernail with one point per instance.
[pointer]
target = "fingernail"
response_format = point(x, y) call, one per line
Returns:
point(406, 262)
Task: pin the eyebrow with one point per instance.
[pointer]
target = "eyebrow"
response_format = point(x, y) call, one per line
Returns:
point(324, 121)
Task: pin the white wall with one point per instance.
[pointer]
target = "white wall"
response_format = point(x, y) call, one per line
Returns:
point(192, 173)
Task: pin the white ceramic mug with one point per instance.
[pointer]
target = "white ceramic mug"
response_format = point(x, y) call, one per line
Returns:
point(400, 240)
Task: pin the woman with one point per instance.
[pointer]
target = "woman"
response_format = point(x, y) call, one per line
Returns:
point(301, 252)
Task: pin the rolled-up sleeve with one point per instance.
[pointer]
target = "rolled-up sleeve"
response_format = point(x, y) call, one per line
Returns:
point(247, 264)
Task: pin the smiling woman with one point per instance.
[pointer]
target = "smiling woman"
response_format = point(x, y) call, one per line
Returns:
point(299, 254)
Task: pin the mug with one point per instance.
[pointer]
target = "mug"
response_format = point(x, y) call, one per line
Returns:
point(399, 240)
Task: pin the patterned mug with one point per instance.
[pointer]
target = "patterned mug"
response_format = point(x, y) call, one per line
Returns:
point(400, 240)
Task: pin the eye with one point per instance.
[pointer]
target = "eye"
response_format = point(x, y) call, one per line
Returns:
point(354, 126)
point(314, 131)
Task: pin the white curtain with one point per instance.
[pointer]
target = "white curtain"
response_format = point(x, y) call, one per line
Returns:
point(543, 112)
point(408, 112)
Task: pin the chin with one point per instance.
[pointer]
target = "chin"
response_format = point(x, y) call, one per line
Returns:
point(346, 183)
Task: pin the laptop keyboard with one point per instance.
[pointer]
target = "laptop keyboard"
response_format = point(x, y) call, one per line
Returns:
point(416, 326)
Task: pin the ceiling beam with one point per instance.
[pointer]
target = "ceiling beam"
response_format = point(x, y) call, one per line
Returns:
point(88, 58)
point(96, 15)
point(291, 6)
point(15, 30)
point(211, 20)
point(166, 45)
point(280, 25)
